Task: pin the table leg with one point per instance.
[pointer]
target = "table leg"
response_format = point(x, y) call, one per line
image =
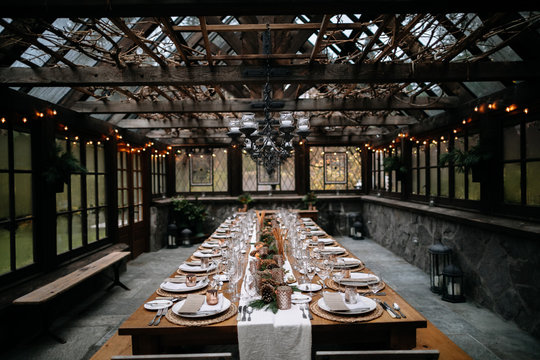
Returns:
point(46, 323)
point(145, 345)
point(402, 339)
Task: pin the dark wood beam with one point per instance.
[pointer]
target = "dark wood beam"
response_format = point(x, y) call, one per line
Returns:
point(120, 24)
point(131, 8)
point(331, 73)
point(320, 37)
point(273, 27)
point(196, 123)
point(384, 103)
point(167, 28)
point(206, 40)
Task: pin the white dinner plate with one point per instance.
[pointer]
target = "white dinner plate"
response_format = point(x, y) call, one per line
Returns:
point(204, 254)
point(221, 277)
point(209, 245)
point(331, 250)
point(325, 241)
point(309, 287)
point(222, 306)
point(362, 306)
point(299, 298)
point(157, 304)
point(222, 231)
point(221, 236)
point(196, 269)
point(358, 276)
point(317, 233)
point(182, 287)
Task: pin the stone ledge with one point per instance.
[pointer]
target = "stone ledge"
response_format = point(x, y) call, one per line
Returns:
point(262, 198)
point(492, 223)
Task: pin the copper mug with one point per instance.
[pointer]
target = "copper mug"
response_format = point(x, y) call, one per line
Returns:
point(212, 296)
point(191, 280)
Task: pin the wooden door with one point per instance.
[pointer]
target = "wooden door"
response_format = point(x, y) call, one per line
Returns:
point(133, 224)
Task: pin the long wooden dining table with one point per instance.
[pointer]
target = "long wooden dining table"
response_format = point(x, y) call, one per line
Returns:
point(384, 332)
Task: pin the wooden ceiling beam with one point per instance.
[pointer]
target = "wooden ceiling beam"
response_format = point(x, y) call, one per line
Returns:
point(320, 37)
point(237, 105)
point(168, 29)
point(120, 24)
point(197, 123)
point(133, 8)
point(206, 40)
point(293, 74)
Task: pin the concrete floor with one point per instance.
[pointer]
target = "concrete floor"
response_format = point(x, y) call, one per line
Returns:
point(88, 325)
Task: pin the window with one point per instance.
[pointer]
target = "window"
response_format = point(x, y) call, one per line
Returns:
point(137, 187)
point(335, 168)
point(201, 170)
point(81, 208)
point(123, 189)
point(16, 214)
point(418, 169)
point(255, 177)
point(521, 163)
point(159, 174)
point(464, 186)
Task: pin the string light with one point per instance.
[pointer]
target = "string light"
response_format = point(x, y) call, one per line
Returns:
point(526, 110)
point(3, 120)
point(24, 120)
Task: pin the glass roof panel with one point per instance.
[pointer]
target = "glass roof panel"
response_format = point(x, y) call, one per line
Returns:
point(484, 88)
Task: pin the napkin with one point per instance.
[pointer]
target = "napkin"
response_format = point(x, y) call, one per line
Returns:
point(359, 278)
point(334, 301)
point(330, 249)
point(192, 304)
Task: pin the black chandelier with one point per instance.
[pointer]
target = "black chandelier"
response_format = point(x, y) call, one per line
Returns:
point(268, 141)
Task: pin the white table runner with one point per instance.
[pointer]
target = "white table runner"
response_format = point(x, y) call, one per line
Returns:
point(284, 335)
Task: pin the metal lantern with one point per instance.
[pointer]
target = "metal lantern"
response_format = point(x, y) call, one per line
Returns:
point(357, 228)
point(452, 290)
point(186, 237)
point(439, 258)
point(172, 231)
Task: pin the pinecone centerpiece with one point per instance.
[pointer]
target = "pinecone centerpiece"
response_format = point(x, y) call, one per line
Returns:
point(268, 293)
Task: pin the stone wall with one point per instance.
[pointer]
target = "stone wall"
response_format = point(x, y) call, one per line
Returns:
point(501, 270)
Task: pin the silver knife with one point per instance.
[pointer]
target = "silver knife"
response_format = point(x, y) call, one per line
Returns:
point(390, 310)
point(239, 316)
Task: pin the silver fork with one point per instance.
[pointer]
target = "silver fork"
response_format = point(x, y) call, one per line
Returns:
point(163, 312)
point(155, 316)
point(303, 313)
point(308, 312)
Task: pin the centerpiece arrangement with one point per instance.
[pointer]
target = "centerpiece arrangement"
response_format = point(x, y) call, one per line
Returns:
point(268, 271)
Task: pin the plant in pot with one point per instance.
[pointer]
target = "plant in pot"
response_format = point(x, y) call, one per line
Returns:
point(189, 214)
point(395, 163)
point(245, 199)
point(59, 168)
point(463, 160)
point(310, 199)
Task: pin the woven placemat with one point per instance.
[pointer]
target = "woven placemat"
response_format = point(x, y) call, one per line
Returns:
point(178, 320)
point(162, 292)
point(346, 318)
point(331, 284)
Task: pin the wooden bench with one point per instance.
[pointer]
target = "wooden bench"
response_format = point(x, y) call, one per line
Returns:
point(378, 354)
point(44, 294)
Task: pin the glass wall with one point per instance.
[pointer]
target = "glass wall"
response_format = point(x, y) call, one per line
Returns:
point(16, 198)
point(158, 174)
point(201, 170)
point(255, 177)
point(335, 168)
point(81, 207)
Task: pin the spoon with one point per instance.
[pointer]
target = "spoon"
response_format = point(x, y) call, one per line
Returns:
point(396, 306)
point(249, 311)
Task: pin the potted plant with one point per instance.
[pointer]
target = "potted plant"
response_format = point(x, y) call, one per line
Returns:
point(463, 160)
point(189, 214)
point(59, 168)
point(395, 163)
point(310, 199)
point(244, 199)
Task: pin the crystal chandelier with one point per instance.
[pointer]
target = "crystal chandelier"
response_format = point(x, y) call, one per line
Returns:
point(267, 141)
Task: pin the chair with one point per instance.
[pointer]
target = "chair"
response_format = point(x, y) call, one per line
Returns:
point(203, 356)
point(378, 355)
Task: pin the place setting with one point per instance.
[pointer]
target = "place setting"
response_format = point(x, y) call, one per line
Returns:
point(182, 284)
point(202, 265)
point(346, 306)
point(202, 309)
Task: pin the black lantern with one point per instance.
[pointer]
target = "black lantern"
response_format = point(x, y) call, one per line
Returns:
point(452, 284)
point(439, 258)
point(186, 237)
point(357, 230)
point(172, 231)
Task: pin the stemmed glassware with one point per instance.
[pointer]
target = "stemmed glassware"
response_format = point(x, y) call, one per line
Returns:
point(310, 270)
point(340, 264)
point(324, 271)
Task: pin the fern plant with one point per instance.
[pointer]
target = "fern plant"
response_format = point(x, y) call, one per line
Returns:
point(392, 163)
point(60, 166)
point(464, 160)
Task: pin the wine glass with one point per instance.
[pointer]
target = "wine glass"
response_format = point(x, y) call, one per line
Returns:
point(310, 270)
point(375, 286)
point(324, 272)
point(338, 276)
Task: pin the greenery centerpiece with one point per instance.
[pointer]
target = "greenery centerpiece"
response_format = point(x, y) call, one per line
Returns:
point(464, 160)
point(59, 168)
point(245, 199)
point(310, 199)
point(270, 275)
point(395, 163)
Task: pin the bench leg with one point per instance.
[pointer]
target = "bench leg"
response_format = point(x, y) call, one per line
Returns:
point(46, 320)
point(116, 280)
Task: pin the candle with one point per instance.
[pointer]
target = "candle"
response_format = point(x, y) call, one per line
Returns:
point(204, 263)
point(212, 296)
point(191, 280)
point(303, 127)
point(457, 289)
point(283, 297)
